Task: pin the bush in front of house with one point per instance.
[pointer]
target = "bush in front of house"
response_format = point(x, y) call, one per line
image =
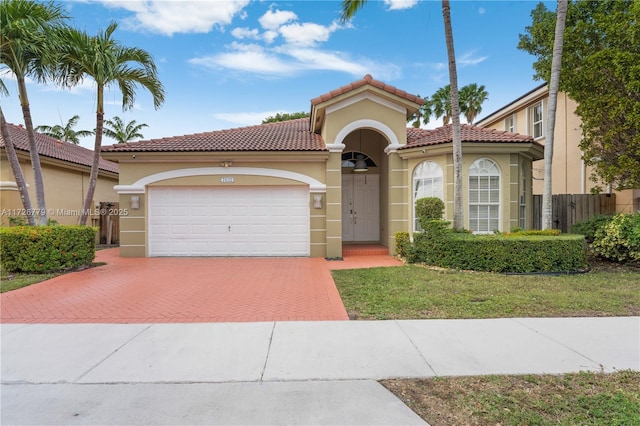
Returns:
point(499, 253)
point(46, 248)
point(591, 226)
point(428, 209)
point(618, 240)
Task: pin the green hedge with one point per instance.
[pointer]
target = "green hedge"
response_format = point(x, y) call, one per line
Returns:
point(498, 253)
point(46, 248)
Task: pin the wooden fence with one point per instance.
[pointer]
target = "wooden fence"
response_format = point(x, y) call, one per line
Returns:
point(569, 209)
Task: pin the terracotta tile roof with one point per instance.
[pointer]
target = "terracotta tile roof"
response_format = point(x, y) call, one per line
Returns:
point(292, 135)
point(422, 137)
point(53, 148)
point(372, 82)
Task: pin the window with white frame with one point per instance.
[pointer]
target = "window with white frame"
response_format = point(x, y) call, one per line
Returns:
point(484, 196)
point(536, 128)
point(510, 123)
point(427, 182)
point(523, 196)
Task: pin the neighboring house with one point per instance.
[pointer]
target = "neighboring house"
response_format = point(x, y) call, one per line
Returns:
point(348, 174)
point(528, 115)
point(65, 170)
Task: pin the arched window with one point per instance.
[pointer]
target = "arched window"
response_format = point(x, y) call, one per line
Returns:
point(484, 196)
point(427, 182)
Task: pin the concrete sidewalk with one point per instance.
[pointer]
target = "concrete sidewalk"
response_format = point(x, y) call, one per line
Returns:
point(280, 372)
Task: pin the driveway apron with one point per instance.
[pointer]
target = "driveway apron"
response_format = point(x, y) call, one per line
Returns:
point(158, 290)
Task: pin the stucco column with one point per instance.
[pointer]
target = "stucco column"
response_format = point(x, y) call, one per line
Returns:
point(334, 201)
point(398, 199)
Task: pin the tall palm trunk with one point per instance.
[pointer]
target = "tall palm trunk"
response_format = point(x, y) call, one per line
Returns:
point(458, 217)
point(17, 170)
point(556, 65)
point(93, 176)
point(33, 151)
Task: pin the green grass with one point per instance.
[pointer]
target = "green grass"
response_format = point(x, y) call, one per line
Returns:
point(13, 281)
point(571, 399)
point(416, 292)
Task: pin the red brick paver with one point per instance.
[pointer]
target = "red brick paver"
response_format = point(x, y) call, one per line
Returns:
point(180, 290)
point(158, 290)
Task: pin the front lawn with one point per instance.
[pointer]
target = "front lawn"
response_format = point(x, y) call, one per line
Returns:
point(417, 292)
point(585, 398)
point(14, 281)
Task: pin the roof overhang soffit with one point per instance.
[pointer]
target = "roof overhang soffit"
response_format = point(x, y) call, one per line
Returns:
point(533, 150)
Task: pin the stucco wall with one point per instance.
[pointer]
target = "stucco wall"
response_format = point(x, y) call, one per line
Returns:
point(569, 174)
point(65, 189)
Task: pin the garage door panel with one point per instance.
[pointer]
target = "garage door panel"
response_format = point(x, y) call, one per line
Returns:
point(200, 221)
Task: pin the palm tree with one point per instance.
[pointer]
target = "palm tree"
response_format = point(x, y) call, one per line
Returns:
point(28, 49)
point(458, 216)
point(107, 62)
point(556, 65)
point(66, 133)
point(472, 97)
point(123, 133)
point(441, 104)
point(14, 163)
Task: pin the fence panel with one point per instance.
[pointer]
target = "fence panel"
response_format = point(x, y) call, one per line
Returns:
point(109, 223)
point(569, 209)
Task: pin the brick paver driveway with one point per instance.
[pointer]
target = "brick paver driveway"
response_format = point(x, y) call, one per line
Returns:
point(180, 290)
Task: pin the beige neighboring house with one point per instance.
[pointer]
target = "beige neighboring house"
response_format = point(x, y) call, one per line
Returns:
point(527, 115)
point(348, 174)
point(65, 170)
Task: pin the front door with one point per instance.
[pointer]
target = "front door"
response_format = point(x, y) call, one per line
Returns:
point(360, 207)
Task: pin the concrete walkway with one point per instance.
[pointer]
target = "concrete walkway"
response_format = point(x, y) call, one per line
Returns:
point(279, 372)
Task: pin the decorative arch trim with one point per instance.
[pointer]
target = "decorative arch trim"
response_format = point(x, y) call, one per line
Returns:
point(368, 124)
point(139, 187)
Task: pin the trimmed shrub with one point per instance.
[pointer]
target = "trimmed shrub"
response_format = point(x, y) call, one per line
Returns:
point(402, 243)
point(428, 209)
point(500, 253)
point(46, 248)
point(589, 227)
point(619, 239)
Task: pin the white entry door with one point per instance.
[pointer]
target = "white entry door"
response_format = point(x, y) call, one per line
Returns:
point(234, 221)
point(360, 207)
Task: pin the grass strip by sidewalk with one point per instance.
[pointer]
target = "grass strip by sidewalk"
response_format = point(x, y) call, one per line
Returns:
point(585, 398)
point(416, 292)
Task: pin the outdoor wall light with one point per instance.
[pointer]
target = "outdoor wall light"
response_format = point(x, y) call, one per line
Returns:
point(226, 164)
point(317, 201)
point(135, 202)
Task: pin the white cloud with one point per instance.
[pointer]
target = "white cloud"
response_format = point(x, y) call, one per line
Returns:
point(170, 17)
point(247, 58)
point(482, 11)
point(307, 34)
point(274, 19)
point(243, 32)
point(289, 60)
point(400, 4)
point(468, 59)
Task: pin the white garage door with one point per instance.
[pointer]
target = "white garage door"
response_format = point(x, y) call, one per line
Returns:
point(256, 221)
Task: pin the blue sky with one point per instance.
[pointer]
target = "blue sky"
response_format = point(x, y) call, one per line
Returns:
point(228, 64)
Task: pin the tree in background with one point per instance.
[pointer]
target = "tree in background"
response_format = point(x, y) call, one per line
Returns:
point(472, 97)
point(28, 48)
point(66, 133)
point(601, 72)
point(121, 133)
point(285, 116)
point(108, 63)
